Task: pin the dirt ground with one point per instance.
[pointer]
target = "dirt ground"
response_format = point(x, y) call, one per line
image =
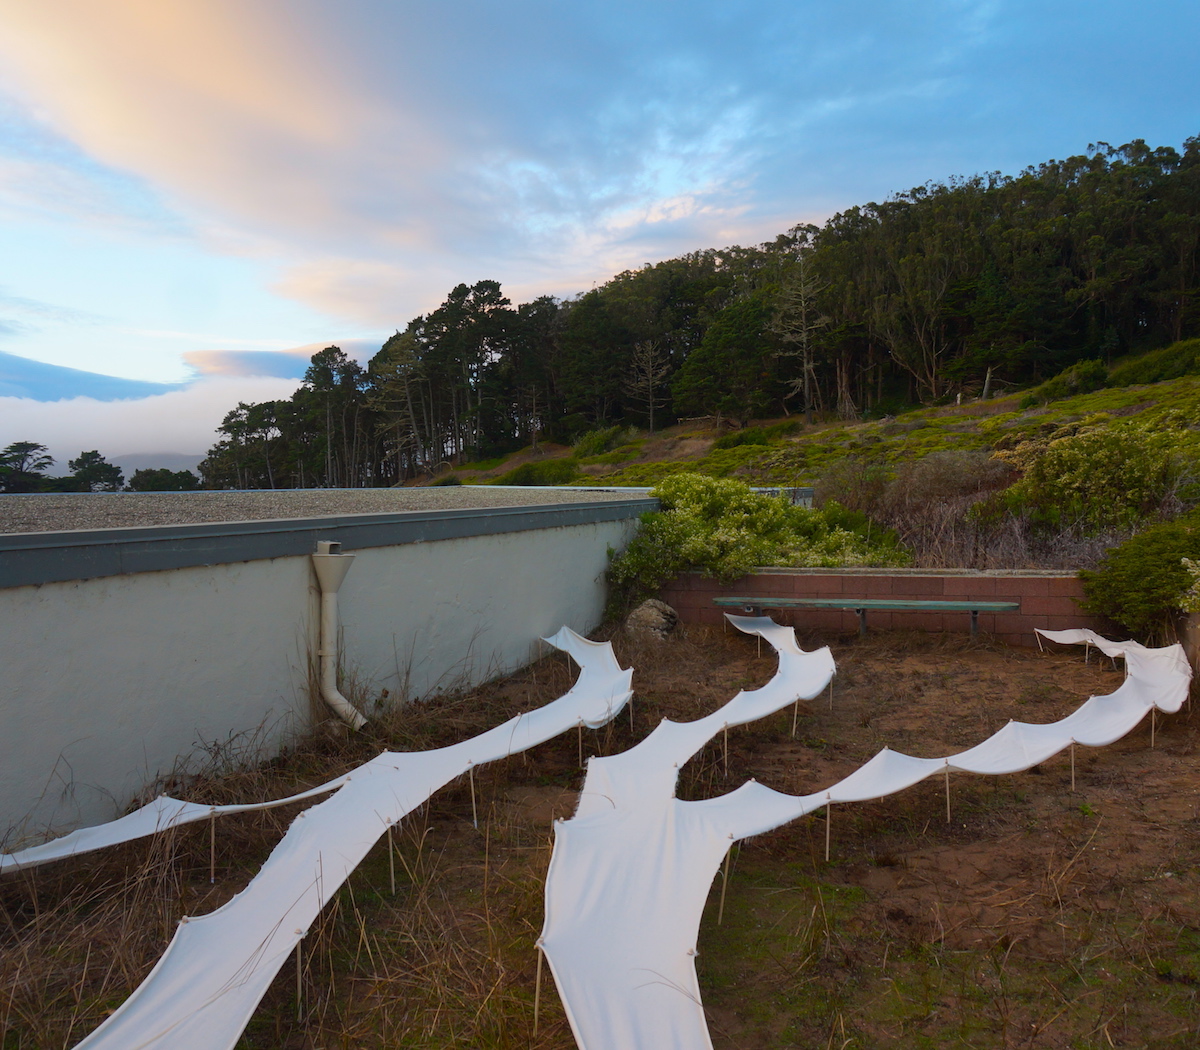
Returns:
point(1037, 917)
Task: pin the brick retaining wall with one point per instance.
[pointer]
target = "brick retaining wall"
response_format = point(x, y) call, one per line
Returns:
point(1048, 599)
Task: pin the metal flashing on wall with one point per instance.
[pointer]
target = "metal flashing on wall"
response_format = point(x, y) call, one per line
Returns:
point(29, 559)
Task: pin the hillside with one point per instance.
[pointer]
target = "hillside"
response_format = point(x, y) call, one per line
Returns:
point(784, 451)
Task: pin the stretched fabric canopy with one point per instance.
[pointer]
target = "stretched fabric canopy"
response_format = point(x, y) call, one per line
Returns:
point(203, 990)
point(630, 873)
point(601, 672)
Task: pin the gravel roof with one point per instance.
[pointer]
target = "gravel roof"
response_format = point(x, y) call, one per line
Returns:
point(59, 512)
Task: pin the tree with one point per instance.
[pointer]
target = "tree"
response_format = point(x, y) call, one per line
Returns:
point(731, 373)
point(95, 474)
point(648, 367)
point(163, 480)
point(21, 466)
point(797, 319)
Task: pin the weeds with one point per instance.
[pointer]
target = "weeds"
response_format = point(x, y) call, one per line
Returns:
point(1028, 922)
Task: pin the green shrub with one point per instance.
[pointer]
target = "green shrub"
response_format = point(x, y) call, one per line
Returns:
point(721, 528)
point(541, 472)
point(1103, 473)
point(1171, 362)
point(757, 435)
point(449, 479)
point(597, 442)
point(1081, 378)
point(1143, 584)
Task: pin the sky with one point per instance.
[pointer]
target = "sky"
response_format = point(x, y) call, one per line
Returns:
point(195, 195)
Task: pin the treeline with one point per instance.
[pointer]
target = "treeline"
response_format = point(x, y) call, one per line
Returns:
point(24, 466)
point(950, 289)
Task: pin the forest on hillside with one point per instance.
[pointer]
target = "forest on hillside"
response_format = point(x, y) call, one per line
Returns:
point(961, 288)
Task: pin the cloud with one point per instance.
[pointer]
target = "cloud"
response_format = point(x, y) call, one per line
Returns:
point(280, 364)
point(21, 377)
point(181, 421)
point(380, 153)
point(44, 311)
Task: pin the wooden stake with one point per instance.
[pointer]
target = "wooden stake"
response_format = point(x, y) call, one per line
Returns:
point(537, 990)
point(631, 714)
point(1072, 767)
point(474, 811)
point(580, 745)
point(831, 692)
point(392, 857)
point(299, 984)
point(759, 644)
point(947, 794)
point(212, 849)
point(1041, 648)
point(795, 715)
point(1087, 651)
point(1153, 723)
point(726, 750)
point(828, 824)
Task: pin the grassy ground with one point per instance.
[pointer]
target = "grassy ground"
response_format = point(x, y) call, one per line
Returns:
point(801, 458)
point(1037, 917)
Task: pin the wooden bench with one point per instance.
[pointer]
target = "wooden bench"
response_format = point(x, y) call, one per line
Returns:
point(755, 606)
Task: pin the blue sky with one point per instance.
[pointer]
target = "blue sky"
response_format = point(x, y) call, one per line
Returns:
point(199, 193)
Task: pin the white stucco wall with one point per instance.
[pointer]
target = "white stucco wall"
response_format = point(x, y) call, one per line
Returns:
point(108, 684)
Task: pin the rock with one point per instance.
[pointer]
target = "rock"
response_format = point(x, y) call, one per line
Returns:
point(652, 619)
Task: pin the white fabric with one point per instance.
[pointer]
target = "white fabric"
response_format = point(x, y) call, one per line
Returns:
point(162, 814)
point(601, 673)
point(217, 968)
point(631, 872)
point(1173, 657)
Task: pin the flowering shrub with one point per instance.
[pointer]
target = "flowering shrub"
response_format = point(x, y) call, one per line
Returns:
point(1190, 602)
point(1102, 473)
point(721, 528)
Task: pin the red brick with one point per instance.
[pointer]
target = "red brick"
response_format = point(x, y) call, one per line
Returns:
point(1066, 585)
point(765, 586)
point(923, 621)
point(1054, 606)
point(954, 587)
point(823, 586)
point(874, 586)
point(923, 586)
point(1004, 623)
point(1031, 586)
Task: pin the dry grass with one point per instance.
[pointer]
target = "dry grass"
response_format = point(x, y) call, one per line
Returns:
point(1037, 918)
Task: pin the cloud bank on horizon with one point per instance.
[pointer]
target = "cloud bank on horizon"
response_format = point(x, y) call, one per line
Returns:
point(192, 191)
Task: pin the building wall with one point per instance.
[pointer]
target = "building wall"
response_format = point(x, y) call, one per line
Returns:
point(109, 683)
point(1048, 599)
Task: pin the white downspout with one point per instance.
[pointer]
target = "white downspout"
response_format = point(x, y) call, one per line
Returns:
point(331, 567)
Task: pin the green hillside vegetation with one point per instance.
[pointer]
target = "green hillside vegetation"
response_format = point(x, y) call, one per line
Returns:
point(950, 290)
point(1106, 480)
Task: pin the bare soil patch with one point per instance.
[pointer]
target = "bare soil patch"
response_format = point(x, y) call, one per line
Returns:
point(1037, 917)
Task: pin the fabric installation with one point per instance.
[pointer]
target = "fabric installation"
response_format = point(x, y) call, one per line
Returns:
point(631, 871)
point(216, 969)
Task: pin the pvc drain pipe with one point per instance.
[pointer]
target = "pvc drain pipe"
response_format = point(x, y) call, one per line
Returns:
point(331, 567)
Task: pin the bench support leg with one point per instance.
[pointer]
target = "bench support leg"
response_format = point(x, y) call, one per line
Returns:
point(862, 622)
point(974, 622)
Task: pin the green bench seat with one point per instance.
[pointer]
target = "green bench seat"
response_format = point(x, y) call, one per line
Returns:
point(755, 606)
